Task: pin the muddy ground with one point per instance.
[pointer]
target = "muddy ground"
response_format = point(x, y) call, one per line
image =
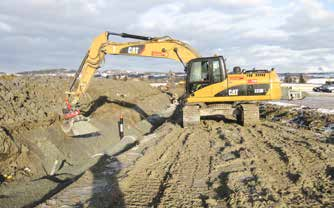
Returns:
point(218, 164)
point(27, 103)
point(284, 161)
point(32, 143)
point(297, 116)
point(214, 165)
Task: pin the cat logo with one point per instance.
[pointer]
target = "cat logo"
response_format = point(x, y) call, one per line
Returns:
point(133, 50)
point(233, 92)
point(136, 49)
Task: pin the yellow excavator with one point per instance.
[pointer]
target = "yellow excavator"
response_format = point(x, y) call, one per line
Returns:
point(209, 89)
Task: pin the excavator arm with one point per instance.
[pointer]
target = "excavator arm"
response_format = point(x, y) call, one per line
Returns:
point(158, 47)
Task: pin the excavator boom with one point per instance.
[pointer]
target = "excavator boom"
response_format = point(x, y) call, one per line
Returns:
point(158, 47)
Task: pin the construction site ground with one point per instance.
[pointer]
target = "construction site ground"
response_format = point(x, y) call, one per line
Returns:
point(322, 102)
point(286, 160)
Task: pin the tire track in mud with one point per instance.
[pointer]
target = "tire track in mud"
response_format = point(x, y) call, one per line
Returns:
point(246, 190)
point(188, 184)
point(221, 164)
point(291, 171)
point(146, 182)
point(306, 163)
point(176, 175)
point(225, 165)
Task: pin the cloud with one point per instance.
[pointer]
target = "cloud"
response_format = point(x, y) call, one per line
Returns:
point(5, 27)
point(310, 26)
point(239, 3)
point(288, 35)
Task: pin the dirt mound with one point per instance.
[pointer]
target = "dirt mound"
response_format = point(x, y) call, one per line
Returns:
point(26, 103)
point(29, 106)
point(214, 165)
point(8, 149)
point(299, 117)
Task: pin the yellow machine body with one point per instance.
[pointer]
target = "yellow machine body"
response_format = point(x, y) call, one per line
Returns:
point(243, 87)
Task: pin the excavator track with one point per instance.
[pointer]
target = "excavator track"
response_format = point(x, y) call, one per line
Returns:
point(191, 115)
point(249, 114)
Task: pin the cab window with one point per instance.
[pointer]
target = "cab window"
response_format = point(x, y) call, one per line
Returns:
point(199, 71)
point(216, 72)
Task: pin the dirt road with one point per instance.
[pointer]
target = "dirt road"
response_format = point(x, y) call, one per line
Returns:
point(215, 165)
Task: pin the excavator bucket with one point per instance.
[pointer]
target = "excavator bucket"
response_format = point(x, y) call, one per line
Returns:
point(80, 127)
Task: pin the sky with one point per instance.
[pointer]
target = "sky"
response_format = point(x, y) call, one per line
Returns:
point(291, 36)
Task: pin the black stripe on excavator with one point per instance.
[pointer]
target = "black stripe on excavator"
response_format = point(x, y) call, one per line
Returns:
point(126, 35)
point(135, 49)
point(245, 90)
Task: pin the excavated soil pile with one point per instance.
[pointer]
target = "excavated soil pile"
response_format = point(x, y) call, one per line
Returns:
point(26, 103)
point(298, 117)
point(214, 165)
point(34, 104)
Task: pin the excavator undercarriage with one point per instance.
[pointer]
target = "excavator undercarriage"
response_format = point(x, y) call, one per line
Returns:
point(244, 114)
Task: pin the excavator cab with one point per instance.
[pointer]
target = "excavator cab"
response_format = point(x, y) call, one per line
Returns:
point(202, 72)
